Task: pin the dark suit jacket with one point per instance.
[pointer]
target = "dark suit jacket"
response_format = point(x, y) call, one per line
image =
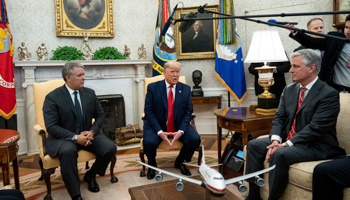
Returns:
point(156, 107)
point(331, 47)
point(315, 121)
point(61, 120)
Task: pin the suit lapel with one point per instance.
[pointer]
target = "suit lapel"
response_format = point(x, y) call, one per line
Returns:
point(178, 98)
point(311, 94)
point(293, 102)
point(163, 89)
point(68, 99)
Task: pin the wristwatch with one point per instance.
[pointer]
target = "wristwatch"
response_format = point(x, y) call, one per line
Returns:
point(75, 138)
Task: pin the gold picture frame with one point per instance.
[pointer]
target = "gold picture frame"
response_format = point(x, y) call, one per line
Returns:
point(186, 47)
point(72, 21)
point(340, 5)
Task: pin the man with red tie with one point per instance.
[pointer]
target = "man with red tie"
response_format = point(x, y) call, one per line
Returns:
point(303, 128)
point(168, 109)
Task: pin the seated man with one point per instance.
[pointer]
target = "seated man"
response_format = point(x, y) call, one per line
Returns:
point(330, 179)
point(168, 109)
point(303, 128)
point(68, 112)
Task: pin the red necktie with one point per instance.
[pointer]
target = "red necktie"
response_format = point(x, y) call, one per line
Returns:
point(171, 126)
point(301, 98)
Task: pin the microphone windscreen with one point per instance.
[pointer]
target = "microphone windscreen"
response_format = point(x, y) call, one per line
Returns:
point(272, 21)
point(185, 25)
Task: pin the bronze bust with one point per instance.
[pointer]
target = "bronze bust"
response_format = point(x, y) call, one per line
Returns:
point(197, 79)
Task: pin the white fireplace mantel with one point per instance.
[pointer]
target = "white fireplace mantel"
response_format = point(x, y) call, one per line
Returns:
point(106, 77)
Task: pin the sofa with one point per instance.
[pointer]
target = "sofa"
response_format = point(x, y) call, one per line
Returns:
point(300, 174)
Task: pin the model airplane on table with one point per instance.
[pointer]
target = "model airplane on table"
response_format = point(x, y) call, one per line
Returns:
point(211, 178)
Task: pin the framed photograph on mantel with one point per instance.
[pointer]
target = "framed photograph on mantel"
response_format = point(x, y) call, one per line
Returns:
point(199, 41)
point(340, 5)
point(75, 18)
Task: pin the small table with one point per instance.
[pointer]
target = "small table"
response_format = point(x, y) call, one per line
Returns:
point(242, 120)
point(166, 190)
point(8, 153)
point(207, 100)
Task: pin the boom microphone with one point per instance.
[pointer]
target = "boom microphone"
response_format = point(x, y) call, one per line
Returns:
point(167, 24)
point(281, 23)
point(185, 25)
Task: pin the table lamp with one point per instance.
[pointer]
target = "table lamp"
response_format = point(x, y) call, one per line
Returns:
point(266, 46)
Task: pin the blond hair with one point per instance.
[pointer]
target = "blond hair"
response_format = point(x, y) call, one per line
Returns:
point(173, 64)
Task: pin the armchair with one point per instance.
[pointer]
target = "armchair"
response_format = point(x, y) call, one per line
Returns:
point(47, 164)
point(163, 146)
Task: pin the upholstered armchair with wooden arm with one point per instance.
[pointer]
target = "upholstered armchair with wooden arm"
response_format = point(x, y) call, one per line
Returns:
point(47, 164)
point(163, 146)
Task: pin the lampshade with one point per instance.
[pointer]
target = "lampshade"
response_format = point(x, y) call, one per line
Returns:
point(266, 46)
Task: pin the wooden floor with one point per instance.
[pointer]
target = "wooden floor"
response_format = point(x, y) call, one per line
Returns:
point(30, 164)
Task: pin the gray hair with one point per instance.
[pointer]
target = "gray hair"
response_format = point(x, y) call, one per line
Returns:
point(310, 57)
point(199, 22)
point(68, 68)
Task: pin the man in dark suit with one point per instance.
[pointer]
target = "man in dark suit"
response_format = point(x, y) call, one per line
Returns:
point(168, 109)
point(303, 128)
point(335, 69)
point(68, 113)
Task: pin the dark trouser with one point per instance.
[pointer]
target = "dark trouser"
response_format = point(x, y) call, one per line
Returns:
point(282, 158)
point(101, 146)
point(341, 88)
point(190, 139)
point(11, 195)
point(330, 178)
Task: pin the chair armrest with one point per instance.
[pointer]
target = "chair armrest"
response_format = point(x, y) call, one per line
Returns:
point(40, 130)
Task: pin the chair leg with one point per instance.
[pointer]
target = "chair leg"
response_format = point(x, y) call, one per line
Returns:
point(47, 173)
point(42, 170)
point(142, 157)
point(15, 172)
point(200, 155)
point(87, 165)
point(114, 179)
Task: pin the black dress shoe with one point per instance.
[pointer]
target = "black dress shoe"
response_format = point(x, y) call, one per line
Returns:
point(78, 197)
point(92, 184)
point(151, 173)
point(182, 168)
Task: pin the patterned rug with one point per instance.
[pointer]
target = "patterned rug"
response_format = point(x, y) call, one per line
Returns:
point(127, 170)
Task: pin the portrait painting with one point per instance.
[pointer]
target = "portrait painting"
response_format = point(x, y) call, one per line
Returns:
point(340, 5)
point(78, 17)
point(199, 40)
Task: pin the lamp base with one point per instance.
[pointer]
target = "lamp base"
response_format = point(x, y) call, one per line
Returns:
point(267, 103)
point(266, 106)
point(262, 111)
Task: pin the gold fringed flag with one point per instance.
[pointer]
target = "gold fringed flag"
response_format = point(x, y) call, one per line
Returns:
point(229, 67)
point(7, 85)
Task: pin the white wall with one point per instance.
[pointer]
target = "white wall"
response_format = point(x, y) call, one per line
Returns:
point(33, 22)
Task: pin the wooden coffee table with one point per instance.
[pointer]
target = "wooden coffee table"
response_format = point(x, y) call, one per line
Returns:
point(166, 190)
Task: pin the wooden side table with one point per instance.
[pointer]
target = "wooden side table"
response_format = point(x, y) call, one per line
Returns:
point(8, 153)
point(207, 100)
point(242, 120)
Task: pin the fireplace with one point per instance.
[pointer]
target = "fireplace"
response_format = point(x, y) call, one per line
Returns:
point(114, 114)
